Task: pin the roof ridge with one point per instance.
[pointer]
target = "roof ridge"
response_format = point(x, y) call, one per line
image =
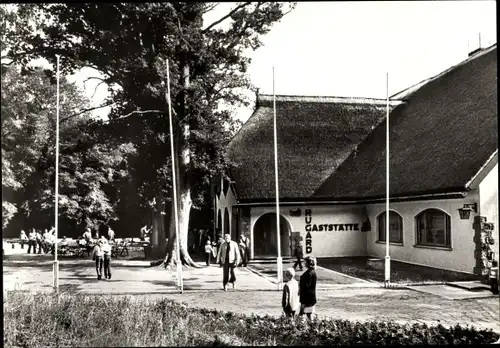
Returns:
point(413, 88)
point(325, 99)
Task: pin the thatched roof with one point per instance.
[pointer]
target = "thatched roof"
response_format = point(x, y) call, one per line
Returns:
point(439, 138)
point(315, 135)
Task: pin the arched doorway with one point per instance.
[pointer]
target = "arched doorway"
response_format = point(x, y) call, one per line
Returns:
point(226, 221)
point(265, 236)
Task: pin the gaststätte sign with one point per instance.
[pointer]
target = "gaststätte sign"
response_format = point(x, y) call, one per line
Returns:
point(323, 228)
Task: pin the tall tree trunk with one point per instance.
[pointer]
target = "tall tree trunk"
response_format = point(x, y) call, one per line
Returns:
point(184, 190)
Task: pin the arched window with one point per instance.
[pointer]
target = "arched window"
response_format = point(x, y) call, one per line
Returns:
point(433, 228)
point(395, 227)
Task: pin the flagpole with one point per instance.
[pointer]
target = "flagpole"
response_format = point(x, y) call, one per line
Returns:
point(279, 260)
point(174, 186)
point(387, 282)
point(56, 226)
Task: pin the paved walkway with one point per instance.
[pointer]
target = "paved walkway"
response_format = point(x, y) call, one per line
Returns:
point(329, 279)
point(253, 294)
point(35, 273)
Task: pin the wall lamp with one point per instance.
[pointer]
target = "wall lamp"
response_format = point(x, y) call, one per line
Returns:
point(466, 209)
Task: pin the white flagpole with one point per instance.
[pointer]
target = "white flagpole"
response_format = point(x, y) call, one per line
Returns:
point(56, 262)
point(174, 186)
point(387, 282)
point(279, 260)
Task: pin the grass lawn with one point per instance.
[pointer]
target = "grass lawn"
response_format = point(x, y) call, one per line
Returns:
point(71, 320)
point(404, 273)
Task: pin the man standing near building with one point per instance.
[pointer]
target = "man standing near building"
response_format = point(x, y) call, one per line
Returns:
point(244, 249)
point(299, 254)
point(229, 257)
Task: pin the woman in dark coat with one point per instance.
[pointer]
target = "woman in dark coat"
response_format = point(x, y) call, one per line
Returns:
point(307, 288)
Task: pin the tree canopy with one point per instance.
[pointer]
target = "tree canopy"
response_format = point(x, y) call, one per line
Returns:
point(90, 161)
point(129, 45)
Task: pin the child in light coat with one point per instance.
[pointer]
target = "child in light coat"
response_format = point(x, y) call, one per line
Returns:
point(290, 301)
point(208, 251)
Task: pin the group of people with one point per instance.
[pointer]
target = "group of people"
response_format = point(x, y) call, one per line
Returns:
point(44, 241)
point(300, 297)
point(102, 256)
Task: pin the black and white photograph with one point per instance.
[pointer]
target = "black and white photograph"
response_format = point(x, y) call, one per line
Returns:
point(249, 173)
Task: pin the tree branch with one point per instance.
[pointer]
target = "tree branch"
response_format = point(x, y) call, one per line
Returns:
point(96, 87)
point(210, 7)
point(129, 114)
point(87, 110)
point(236, 9)
point(93, 78)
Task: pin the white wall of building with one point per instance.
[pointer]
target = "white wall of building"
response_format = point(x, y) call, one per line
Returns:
point(344, 241)
point(461, 256)
point(349, 241)
point(488, 198)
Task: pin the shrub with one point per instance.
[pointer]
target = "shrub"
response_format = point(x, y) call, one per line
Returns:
point(81, 320)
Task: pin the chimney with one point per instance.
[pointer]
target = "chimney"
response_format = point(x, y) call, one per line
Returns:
point(478, 49)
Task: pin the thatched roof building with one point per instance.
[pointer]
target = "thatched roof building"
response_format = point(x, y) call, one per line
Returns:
point(315, 135)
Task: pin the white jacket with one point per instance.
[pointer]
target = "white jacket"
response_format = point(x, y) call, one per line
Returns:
point(106, 249)
point(98, 252)
point(234, 253)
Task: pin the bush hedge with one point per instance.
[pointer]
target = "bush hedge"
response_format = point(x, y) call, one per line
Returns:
point(97, 321)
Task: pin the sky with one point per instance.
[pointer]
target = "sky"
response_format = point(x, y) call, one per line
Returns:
point(345, 49)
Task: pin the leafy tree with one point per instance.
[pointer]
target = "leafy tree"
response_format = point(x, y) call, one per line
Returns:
point(90, 161)
point(129, 44)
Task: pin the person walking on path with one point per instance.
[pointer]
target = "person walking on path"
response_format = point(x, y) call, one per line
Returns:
point(299, 254)
point(98, 257)
point(208, 251)
point(244, 249)
point(106, 250)
point(23, 239)
point(307, 288)
point(32, 241)
point(229, 257)
point(290, 300)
